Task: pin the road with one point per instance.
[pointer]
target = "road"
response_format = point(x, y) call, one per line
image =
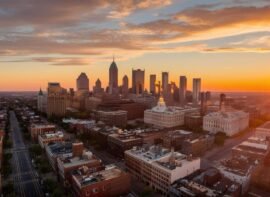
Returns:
point(24, 175)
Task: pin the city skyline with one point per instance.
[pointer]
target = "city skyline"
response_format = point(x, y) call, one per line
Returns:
point(213, 41)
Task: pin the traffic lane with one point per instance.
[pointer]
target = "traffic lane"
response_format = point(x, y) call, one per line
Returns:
point(31, 189)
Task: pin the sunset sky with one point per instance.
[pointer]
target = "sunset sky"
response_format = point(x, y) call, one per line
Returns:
point(225, 42)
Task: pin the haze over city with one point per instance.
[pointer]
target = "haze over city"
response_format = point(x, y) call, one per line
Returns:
point(226, 43)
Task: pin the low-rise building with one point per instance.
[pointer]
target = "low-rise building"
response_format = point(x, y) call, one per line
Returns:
point(159, 167)
point(206, 183)
point(175, 139)
point(50, 138)
point(197, 147)
point(263, 131)
point(58, 149)
point(237, 169)
point(40, 129)
point(120, 142)
point(254, 148)
point(113, 118)
point(109, 182)
point(229, 122)
point(68, 164)
point(166, 117)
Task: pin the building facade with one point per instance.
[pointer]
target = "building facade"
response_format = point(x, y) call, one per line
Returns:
point(164, 117)
point(159, 167)
point(137, 81)
point(113, 78)
point(196, 90)
point(152, 87)
point(228, 122)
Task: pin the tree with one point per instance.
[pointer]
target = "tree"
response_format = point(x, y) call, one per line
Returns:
point(35, 150)
point(220, 138)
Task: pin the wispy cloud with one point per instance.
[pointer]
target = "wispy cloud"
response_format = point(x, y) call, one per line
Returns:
point(97, 29)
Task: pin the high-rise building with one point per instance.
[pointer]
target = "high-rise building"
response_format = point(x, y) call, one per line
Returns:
point(137, 81)
point(83, 82)
point(41, 101)
point(153, 84)
point(125, 85)
point(113, 78)
point(183, 89)
point(165, 81)
point(57, 100)
point(196, 90)
point(98, 87)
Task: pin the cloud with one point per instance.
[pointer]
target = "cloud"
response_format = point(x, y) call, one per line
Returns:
point(90, 29)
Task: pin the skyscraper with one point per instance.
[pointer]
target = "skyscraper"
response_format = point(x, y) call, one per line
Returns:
point(98, 87)
point(196, 90)
point(183, 89)
point(165, 81)
point(113, 78)
point(137, 81)
point(125, 85)
point(153, 84)
point(57, 100)
point(41, 101)
point(83, 82)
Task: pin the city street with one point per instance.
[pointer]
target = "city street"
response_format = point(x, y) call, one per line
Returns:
point(25, 177)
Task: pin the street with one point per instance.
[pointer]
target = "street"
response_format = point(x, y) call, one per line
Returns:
point(25, 177)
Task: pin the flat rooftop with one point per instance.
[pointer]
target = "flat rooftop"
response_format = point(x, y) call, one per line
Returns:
point(125, 137)
point(60, 148)
point(41, 126)
point(85, 177)
point(58, 134)
point(239, 165)
point(86, 158)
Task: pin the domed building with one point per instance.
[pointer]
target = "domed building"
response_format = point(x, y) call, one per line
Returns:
point(163, 116)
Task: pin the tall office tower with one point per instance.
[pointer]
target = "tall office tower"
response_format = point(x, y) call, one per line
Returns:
point(113, 78)
point(222, 102)
point(196, 90)
point(165, 81)
point(125, 85)
point(98, 87)
point(57, 100)
point(153, 84)
point(182, 90)
point(41, 101)
point(203, 103)
point(137, 81)
point(83, 82)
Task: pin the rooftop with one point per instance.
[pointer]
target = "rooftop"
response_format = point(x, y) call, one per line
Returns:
point(84, 177)
point(41, 126)
point(58, 134)
point(231, 115)
point(86, 158)
point(161, 157)
point(199, 183)
point(236, 165)
point(59, 148)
